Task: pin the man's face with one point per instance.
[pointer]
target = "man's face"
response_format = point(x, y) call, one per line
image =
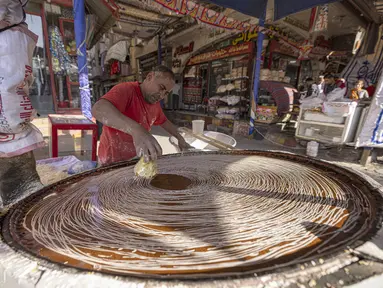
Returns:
point(329, 81)
point(158, 86)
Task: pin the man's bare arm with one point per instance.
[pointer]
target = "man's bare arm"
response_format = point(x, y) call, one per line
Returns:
point(146, 145)
point(107, 114)
point(172, 130)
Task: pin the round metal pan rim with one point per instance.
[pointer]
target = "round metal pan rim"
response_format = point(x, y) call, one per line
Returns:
point(337, 252)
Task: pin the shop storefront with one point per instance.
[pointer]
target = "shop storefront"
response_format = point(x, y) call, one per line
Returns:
point(215, 87)
point(282, 57)
point(217, 83)
point(56, 87)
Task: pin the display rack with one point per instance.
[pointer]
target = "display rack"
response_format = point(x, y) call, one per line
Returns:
point(228, 71)
point(327, 132)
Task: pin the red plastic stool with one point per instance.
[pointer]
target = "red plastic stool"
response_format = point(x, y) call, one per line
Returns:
point(70, 122)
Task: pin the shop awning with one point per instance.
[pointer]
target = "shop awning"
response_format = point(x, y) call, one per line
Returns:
point(105, 19)
point(282, 8)
point(282, 93)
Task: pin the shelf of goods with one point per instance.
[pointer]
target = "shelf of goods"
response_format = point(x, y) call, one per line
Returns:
point(338, 125)
point(193, 93)
point(229, 83)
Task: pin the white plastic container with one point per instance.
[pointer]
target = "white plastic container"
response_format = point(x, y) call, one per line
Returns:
point(228, 140)
point(198, 126)
point(338, 109)
point(309, 132)
point(201, 145)
point(312, 149)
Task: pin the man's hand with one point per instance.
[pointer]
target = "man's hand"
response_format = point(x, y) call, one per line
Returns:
point(146, 145)
point(182, 144)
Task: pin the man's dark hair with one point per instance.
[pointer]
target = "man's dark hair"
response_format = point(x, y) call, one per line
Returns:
point(328, 76)
point(164, 70)
point(309, 79)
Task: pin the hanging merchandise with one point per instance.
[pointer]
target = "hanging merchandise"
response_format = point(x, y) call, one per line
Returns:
point(91, 22)
point(115, 68)
point(320, 23)
point(118, 51)
point(67, 13)
point(60, 57)
point(358, 40)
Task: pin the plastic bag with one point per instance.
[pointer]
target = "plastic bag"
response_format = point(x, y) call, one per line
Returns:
point(17, 134)
point(11, 12)
point(336, 95)
point(311, 102)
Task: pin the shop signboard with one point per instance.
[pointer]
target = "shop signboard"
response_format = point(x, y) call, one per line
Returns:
point(181, 50)
point(246, 36)
point(230, 51)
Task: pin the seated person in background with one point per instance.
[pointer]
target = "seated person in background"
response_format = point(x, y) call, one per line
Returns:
point(358, 93)
point(338, 93)
point(330, 84)
point(310, 88)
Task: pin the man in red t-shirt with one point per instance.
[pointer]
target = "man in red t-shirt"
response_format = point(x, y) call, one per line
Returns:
point(128, 111)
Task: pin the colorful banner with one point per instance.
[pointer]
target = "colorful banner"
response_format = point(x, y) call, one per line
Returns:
point(305, 50)
point(219, 20)
point(321, 19)
point(80, 31)
point(222, 53)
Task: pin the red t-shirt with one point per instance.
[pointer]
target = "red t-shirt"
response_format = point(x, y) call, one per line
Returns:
point(118, 146)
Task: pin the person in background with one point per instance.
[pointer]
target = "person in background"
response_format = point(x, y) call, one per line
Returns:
point(330, 84)
point(176, 96)
point(309, 86)
point(128, 111)
point(358, 93)
point(320, 84)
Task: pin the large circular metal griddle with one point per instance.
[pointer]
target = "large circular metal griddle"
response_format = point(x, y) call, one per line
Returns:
point(207, 215)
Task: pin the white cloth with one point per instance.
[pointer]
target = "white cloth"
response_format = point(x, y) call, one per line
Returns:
point(336, 94)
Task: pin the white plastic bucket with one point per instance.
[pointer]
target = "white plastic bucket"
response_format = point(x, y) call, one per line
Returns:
point(198, 126)
point(312, 149)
